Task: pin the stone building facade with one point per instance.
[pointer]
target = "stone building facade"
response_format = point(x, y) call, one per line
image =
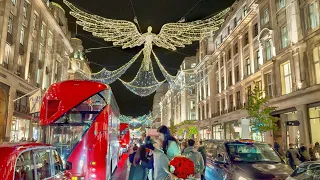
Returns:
point(79, 66)
point(272, 44)
point(34, 53)
point(179, 103)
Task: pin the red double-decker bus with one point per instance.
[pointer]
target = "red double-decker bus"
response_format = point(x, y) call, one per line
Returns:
point(81, 119)
point(124, 137)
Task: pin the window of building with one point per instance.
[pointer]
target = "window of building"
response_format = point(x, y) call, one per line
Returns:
point(14, 2)
point(281, 4)
point(221, 63)
point(258, 84)
point(265, 16)
point(248, 67)
point(268, 81)
point(223, 104)
point(286, 81)
point(10, 23)
point(40, 52)
point(222, 83)
point(218, 84)
point(218, 107)
point(22, 35)
point(268, 49)
point(255, 29)
point(25, 7)
point(314, 114)
point(246, 39)
point(238, 101)
point(34, 21)
point(244, 11)
point(237, 73)
point(314, 14)
point(257, 62)
point(42, 31)
point(236, 48)
point(230, 78)
point(19, 61)
point(32, 46)
point(229, 54)
point(7, 52)
point(50, 39)
point(248, 90)
point(235, 22)
point(316, 61)
point(39, 74)
point(231, 102)
point(284, 36)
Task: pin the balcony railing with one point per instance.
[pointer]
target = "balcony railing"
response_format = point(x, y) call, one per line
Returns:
point(21, 108)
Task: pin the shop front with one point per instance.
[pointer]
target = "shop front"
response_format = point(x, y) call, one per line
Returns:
point(314, 120)
point(232, 130)
point(205, 134)
point(217, 131)
point(4, 91)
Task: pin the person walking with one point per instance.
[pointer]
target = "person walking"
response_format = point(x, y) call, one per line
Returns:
point(304, 153)
point(139, 165)
point(195, 156)
point(293, 156)
point(161, 161)
point(203, 152)
point(170, 145)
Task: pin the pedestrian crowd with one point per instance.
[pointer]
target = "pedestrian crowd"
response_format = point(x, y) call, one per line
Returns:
point(150, 161)
point(295, 156)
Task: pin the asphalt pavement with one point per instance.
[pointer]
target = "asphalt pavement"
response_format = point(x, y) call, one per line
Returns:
point(122, 169)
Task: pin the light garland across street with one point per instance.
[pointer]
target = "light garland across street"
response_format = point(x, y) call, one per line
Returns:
point(125, 34)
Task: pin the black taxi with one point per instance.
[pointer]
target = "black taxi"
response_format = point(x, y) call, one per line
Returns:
point(243, 160)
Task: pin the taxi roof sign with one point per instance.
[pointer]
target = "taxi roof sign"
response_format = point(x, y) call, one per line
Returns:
point(246, 140)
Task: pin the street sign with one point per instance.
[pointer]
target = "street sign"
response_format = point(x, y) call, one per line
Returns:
point(293, 123)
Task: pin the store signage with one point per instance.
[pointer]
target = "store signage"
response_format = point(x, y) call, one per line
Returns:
point(293, 123)
point(35, 102)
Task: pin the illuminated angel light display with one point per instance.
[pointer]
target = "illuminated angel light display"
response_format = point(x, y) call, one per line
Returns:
point(126, 35)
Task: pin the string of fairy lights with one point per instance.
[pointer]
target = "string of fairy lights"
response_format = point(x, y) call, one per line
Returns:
point(125, 34)
point(146, 119)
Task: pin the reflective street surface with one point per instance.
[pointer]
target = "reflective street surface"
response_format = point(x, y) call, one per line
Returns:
point(122, 169)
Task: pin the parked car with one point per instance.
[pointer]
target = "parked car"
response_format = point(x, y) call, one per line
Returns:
point(307, 170)
point(31, 160)
point(243, 160)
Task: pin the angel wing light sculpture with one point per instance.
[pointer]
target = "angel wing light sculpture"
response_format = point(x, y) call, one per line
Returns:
point(125, 34)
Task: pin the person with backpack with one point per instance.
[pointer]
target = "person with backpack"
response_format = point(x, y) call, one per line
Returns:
point(195, 156)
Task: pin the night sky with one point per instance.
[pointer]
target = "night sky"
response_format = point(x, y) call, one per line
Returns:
point(153, 13)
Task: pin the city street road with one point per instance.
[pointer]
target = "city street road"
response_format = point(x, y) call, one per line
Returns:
point(122, 169)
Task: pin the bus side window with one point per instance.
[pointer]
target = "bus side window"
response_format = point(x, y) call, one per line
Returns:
point(42, 158)
point(24, 167)
point(57, 162)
